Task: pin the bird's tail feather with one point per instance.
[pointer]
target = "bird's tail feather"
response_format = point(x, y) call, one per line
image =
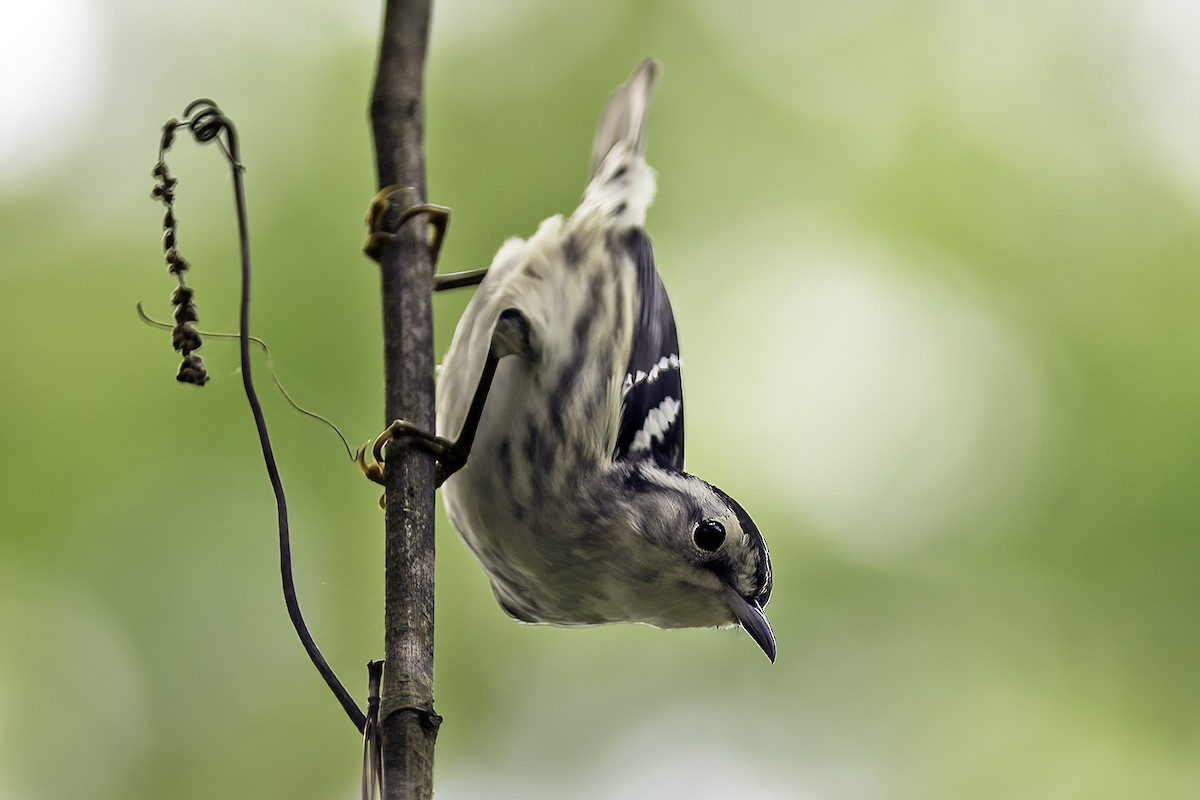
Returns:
point(622, 184)
point(626, 113)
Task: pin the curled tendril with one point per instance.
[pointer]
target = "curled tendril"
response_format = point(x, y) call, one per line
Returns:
point(204, 119)
point(208, 124)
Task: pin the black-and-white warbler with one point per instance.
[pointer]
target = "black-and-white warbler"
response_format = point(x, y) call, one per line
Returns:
point(563, 386)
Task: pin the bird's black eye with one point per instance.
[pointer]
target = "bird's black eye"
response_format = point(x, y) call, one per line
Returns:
point(709, 535)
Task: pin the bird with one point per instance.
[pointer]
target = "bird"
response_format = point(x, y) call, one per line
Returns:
point(560, 421)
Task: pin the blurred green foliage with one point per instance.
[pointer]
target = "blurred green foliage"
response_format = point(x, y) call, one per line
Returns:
point(934, 265)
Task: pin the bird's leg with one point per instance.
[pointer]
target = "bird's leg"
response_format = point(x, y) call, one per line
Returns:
point(379, 235)
point(511, 336)
point(455, 280)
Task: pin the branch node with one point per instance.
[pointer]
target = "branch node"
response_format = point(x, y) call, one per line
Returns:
point(428, 719)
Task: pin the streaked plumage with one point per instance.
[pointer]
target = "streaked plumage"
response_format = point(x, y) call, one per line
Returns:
point(573, 498)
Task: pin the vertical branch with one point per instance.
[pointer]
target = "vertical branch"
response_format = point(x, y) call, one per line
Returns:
point(408, 723)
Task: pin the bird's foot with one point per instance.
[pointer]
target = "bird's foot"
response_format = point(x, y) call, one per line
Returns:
point(447, 453)
point(403, 199)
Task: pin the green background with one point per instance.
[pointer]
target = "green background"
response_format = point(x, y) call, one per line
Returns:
point(935, 270)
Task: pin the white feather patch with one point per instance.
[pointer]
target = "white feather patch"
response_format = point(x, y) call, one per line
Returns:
point(658, 421)
point(662, 365)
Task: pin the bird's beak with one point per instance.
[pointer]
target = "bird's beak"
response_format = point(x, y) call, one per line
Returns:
point(750, 615)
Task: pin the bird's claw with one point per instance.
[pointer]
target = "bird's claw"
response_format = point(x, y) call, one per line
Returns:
point(380, 234)
point(441, 449)
point(373, 471)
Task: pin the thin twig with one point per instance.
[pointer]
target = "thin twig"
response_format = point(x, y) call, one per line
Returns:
point(372, 767)
point(154, 323)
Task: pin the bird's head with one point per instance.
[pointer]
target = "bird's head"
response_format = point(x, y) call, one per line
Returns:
point(720, 570)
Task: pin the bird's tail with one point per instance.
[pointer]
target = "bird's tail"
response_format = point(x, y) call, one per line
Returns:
point(621, 183)
point(625, 114)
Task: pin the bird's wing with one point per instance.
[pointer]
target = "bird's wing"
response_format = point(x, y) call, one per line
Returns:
point(651, 423)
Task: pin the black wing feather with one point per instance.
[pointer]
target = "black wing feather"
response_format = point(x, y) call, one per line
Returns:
point(653, 382)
